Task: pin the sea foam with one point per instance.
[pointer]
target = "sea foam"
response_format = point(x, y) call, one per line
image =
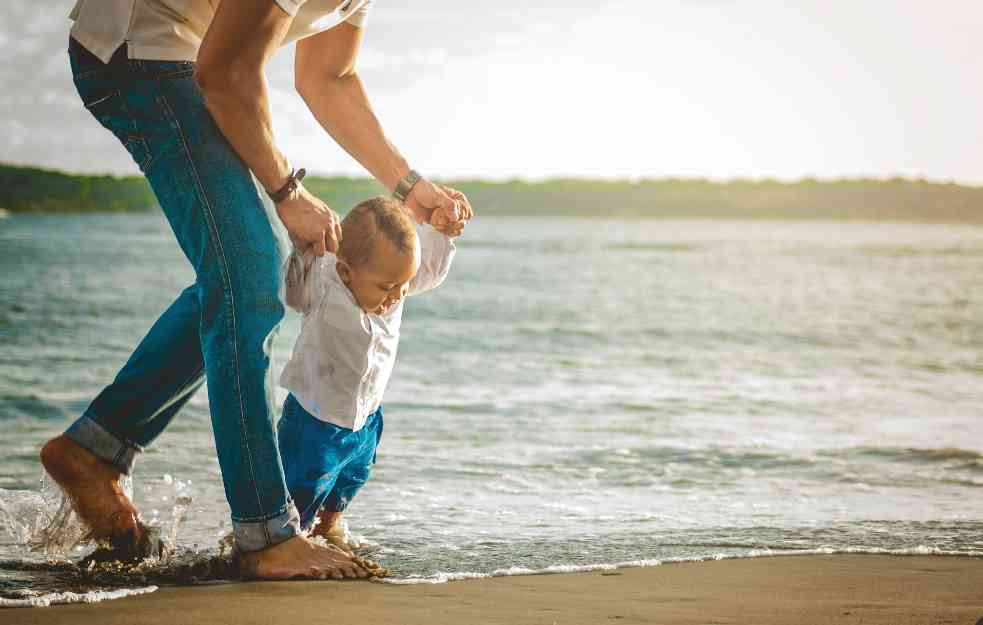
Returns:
point(444, 577)
point(56, 598)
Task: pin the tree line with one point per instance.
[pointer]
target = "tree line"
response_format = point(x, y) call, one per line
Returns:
point(30, 189)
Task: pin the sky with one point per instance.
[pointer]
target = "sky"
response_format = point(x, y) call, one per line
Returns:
point(645, 88)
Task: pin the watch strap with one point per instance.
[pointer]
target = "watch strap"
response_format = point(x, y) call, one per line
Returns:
point(406, 184)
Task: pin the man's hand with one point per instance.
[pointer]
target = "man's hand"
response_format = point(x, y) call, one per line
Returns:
point(444, 208)
point(426, 197)
point(310, 222)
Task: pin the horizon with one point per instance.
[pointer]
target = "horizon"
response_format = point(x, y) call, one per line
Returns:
point(708, 89)
point(562, 178)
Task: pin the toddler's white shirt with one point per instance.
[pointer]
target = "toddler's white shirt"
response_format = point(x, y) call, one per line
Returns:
point(344, 356)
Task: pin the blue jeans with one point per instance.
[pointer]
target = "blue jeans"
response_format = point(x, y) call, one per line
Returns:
point(222, 326)
point(325, 464)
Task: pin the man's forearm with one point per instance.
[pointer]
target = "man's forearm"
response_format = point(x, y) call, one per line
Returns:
point(239, 104)
point(342, 108)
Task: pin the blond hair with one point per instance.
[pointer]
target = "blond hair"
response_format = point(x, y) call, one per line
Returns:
point(374, 218)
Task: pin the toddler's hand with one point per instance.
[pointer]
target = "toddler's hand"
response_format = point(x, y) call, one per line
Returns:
point(451, 221)
point(446, 224)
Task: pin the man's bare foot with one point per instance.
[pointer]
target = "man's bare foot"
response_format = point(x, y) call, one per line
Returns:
point(299, 557)
point(96, 493)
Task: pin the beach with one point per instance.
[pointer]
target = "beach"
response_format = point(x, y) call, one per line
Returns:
point(799, 590)
point(708, 351)
point(830, 404)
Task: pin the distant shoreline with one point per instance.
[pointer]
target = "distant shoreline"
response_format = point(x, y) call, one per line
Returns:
point(31, 189)
point(153, 210)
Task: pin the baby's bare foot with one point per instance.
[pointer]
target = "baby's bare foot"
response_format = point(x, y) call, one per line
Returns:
point(299, 557)
point(96, 492)
point(336, 535)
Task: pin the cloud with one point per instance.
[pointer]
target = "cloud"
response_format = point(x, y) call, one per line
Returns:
point(681, 87)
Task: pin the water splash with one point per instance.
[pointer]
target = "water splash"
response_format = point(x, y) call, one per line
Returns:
point(183, 498)
point(42, 521)
point(45, 522)
point(44, 527)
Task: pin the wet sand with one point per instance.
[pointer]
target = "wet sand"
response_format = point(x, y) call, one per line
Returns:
point(796, 590)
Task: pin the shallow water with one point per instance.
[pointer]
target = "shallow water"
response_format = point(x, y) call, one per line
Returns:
point(579, 392)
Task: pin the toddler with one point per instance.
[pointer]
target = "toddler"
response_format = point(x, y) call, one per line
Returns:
point(352, 304)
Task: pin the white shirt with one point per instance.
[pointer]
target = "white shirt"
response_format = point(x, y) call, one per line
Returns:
point(344, 356)
point(172, 30)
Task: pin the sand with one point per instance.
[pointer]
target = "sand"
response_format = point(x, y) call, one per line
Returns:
point(787, 590)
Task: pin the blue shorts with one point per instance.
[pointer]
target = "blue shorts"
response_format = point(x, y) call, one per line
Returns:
point(324, 464)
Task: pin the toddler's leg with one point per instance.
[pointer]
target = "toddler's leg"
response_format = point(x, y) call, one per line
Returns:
point(330, 528)
point(312, 452)
point(350, 480)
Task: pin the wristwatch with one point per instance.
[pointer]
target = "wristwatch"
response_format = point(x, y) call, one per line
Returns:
point(405, 185)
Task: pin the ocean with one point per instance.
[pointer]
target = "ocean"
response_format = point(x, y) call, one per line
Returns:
point(579, 393)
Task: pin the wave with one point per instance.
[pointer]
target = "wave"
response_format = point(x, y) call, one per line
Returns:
point(36, 599)
point(444, 577)
point(65, 581)
point(564, 247)
point(32, 406)
point(908, 250)
point(950, 457)
point(701, 466)
point(708, 457)
point(469, 243)
point(57, 598)
point(917, 454)
point(758, 459)
point(653, 247)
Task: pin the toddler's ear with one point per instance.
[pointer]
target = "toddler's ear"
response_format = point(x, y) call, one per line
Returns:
point(344, 271)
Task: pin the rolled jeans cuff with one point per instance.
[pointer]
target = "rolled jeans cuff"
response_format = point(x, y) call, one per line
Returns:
point(104, 445)
point(258, 535)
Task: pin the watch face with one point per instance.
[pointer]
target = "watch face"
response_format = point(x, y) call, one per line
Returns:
point(405, 184)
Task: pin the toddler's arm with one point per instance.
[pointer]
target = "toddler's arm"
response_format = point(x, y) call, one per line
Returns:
point(298, 278)
point(436, 253)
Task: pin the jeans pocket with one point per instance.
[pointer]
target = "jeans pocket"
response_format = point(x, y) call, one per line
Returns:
point(109, 109)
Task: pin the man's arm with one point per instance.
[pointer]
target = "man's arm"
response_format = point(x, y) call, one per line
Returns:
point(242, 36)
point(325, 77)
